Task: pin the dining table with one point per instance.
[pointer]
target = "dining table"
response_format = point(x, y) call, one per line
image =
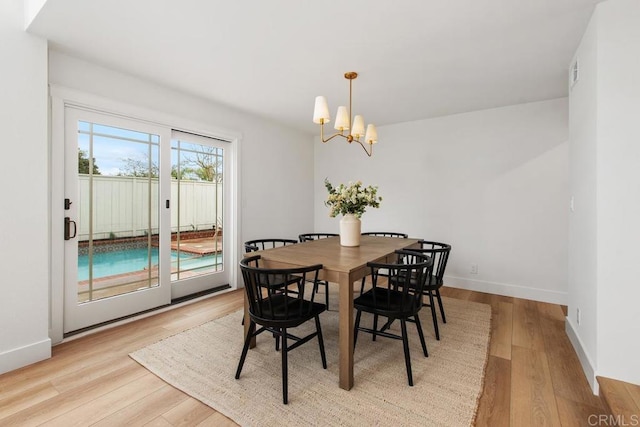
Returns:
point(343, 265)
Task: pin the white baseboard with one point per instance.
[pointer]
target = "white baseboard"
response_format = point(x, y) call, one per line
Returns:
point(26, 355)
point(506, 289)
point(585, 360)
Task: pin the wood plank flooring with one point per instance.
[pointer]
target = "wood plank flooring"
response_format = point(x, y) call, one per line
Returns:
point(533, 377)
point(622, 399)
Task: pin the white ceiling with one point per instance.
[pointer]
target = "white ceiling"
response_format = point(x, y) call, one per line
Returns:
point(415, 58)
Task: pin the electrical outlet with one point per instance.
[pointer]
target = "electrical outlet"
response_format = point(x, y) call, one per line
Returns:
point(474, 268)
point(578, 315)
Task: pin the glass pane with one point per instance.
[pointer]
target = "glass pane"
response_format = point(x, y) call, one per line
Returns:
point(121, 133)
point(118, 211)
point(196, 189)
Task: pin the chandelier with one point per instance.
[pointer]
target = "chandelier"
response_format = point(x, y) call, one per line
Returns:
point(343, 121)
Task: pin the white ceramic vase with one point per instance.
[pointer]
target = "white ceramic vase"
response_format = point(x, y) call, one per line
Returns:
point(350, 230)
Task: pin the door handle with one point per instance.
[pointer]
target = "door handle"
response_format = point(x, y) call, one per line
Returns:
point(67, 228)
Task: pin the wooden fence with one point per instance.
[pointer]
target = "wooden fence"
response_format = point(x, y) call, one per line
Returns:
point(128, 206)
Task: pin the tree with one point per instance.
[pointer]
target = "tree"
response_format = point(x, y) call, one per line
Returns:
point(83, 163)
point(204, 165)
point(181, 171)
point(208, 166)
point(138, 168)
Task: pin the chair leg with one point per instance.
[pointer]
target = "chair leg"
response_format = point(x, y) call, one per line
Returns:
point(407, 357)
point(321, 343)
point(433, 314)
point(375, 326)
point(355, 329)
point(444, 319)
point(245, 348)
point(421, 335)
point(285, 370)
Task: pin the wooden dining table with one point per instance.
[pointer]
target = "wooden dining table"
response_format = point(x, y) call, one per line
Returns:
point(342, 265)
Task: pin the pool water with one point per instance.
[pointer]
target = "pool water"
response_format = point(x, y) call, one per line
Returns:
point(132, 260)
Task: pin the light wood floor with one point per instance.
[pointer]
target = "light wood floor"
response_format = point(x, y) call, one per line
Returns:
point(533, 376)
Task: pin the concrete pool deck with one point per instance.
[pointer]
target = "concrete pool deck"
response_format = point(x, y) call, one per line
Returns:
point(203, 246)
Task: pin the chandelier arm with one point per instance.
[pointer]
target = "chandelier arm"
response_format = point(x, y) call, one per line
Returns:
point(369, 153)
point(333, 136)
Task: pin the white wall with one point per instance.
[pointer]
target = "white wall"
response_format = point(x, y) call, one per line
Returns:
point(24, 259)
point(276, 162)
point(31, 9)
point(605, 134)
point(583, 239)
point(492, 183)
point(619, 189)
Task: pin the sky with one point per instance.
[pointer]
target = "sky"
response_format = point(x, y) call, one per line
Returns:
point(112, 147)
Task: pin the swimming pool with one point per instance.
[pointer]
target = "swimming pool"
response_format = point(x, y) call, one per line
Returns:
point(131, 260)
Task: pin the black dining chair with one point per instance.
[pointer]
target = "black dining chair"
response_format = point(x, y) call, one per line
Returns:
point(307, 237)
point(395, 300)
point(381, 234)
point(280, 311)
point(262, 244)
point(439, 253)
point(386, 234)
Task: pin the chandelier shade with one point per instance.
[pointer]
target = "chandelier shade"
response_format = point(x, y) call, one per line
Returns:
point(371, 137)
point(342, 119)
point(321, 111)
point(358, 127)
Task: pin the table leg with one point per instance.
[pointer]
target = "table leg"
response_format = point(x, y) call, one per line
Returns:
point(345, 338)
point(247, 321)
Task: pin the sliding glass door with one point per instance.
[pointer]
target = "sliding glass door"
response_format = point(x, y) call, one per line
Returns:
point(199, 190)
point(145, 216)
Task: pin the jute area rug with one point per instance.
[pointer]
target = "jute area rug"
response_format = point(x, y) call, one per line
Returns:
point(447, 385)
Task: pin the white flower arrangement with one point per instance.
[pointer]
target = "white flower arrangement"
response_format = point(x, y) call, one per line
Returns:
point(351, 199)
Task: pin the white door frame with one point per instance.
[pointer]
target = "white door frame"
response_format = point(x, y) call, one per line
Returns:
point(62, 97)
